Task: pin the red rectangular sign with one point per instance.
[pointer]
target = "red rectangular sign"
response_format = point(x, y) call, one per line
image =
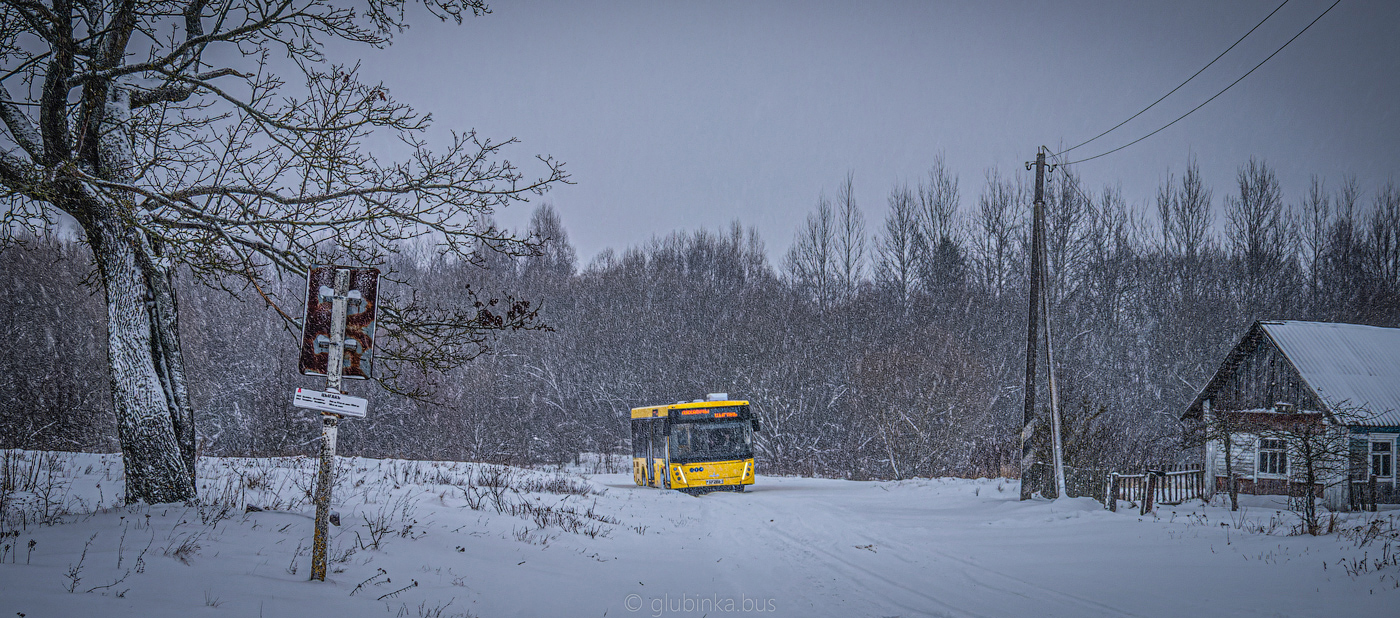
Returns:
point(360, 310)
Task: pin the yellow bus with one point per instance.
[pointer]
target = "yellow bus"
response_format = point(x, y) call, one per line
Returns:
point(696, 447)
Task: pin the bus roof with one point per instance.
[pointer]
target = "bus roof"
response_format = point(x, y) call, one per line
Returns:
point(664, 410)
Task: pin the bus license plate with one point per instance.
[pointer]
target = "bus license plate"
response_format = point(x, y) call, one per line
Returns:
point(715, 482)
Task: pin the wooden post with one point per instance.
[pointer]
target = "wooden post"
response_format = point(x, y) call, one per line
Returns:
point(325, 478)
point(1371, 494)
point(1149, 492)
point(1113, 492)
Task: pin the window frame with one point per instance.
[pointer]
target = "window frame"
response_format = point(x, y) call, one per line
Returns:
point(1372, 440)
point(1278, 453)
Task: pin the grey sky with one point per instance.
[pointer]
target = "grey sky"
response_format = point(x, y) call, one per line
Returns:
point(689, 115)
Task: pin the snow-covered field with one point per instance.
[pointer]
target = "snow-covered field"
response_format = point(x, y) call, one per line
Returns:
point(455, 539)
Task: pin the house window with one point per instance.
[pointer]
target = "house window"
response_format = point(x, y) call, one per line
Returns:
point(1273, 457)
point(1382, 459)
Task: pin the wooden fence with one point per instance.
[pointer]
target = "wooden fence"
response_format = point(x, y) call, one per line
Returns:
point(1155, 487)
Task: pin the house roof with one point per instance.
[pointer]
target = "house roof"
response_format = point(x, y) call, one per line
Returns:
point(1349, 366)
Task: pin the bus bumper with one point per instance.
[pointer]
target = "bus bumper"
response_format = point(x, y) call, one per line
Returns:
point(712, 476)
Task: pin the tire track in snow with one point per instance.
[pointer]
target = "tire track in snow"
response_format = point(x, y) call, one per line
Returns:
point(844, 568)
point(728, 527)
point(1073, 599)
point(860, 525)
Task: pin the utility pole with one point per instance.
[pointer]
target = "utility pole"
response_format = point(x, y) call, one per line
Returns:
point(1039, 310)
point(1028, 417)
point(325, 479)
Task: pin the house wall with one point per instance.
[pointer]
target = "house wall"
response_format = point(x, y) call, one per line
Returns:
point(1244, 451)
point(1387, 488)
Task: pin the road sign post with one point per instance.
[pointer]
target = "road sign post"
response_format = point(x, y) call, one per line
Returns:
point(325, 477)
point(340, 302)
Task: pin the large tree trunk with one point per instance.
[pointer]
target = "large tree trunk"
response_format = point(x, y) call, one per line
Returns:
point(155, 422)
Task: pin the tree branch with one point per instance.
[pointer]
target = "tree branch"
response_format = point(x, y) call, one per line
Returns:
point(20, 126)
point(53, 110)
point(175, 94)
point(19, 175)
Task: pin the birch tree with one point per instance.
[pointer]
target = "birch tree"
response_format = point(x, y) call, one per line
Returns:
point(163, 130)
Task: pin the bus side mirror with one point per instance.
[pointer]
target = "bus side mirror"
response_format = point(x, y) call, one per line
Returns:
point(755, 423)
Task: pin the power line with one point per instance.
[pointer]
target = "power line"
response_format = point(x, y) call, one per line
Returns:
point(1074, 184)
point(1179, 86)
point(1232, 84)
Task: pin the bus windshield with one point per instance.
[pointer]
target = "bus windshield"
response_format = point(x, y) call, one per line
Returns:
point(711, 441)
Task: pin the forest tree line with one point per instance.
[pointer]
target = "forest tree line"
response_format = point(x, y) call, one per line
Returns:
point(886, 348)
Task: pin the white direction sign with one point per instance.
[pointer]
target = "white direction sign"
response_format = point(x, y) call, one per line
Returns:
point(343, 405)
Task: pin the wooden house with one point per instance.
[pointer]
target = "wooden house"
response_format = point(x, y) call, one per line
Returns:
point(1286, 379)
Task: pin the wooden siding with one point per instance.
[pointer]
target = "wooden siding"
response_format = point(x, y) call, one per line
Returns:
point(1262, 377)
point(1242, 450)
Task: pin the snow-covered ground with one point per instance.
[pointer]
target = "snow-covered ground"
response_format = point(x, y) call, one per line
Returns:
point(454, 539)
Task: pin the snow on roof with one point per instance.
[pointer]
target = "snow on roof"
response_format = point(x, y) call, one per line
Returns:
point(1348, 365)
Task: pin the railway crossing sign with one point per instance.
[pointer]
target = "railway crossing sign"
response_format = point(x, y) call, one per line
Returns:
point(360, 309)
point(337, 337)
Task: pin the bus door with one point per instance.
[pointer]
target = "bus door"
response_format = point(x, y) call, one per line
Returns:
point(657, 452)
point(650, 452)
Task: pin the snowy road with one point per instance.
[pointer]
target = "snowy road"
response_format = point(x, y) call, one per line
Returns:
point(788, 547)
point(963, 548)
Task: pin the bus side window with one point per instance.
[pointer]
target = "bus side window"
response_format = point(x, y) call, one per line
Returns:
point(639, 444)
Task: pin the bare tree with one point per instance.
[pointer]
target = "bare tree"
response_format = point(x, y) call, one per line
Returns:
point(811, 258)
point(938, 203)
point(1383, 244)
point(1315, 222)
point(995, 229)
point(1260, 233)
point(939, 257)
point(850, 239)
point(188, 149)
point(1223, 428)
point(1320, 458)
point(556, 259)
point(899, 247)
point(1339, 280)
point(1184, 212)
